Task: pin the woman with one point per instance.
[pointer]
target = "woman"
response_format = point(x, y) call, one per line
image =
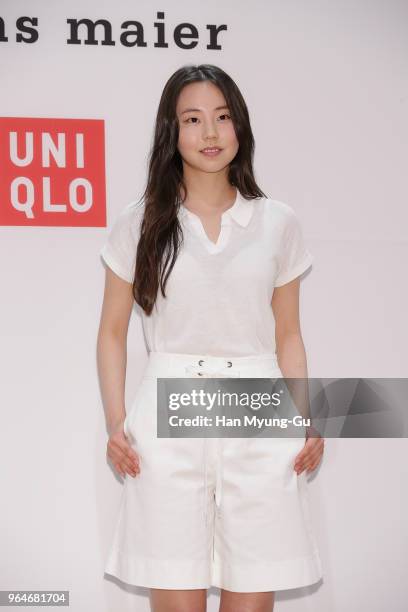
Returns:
point(215, 266)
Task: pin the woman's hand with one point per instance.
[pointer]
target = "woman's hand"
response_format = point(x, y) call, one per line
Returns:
point(311, 454)
point(121, 454)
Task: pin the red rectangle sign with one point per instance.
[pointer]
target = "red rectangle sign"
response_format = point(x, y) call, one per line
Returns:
point(52, 172)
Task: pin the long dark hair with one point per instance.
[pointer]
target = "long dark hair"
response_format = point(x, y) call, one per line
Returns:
point(160, 232)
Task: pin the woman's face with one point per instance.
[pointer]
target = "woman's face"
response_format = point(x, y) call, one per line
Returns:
point(209, 125)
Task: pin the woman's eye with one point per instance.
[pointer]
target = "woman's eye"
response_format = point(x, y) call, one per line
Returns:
point(223, 115)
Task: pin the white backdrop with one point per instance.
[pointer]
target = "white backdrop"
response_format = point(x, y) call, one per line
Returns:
point(326, 87)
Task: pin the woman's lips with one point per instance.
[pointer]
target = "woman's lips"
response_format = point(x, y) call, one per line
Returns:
point(211, 152)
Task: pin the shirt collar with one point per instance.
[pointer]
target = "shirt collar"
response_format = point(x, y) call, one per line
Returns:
point(240, 211)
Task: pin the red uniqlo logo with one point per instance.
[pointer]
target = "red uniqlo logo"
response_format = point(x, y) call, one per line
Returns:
point(52, 172)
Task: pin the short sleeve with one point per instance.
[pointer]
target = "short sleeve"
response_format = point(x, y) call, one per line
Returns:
point(119, 249)
point(294, 256)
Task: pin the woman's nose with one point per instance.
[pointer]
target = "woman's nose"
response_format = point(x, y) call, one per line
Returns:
point(210, 130)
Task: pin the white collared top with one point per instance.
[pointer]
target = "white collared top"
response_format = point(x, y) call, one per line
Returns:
point(218, 295)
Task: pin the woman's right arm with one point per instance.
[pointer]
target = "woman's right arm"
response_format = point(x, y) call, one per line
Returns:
point(111, 362)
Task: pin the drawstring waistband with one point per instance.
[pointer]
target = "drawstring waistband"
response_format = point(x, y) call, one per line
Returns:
point(179, 365)
point(164, 364)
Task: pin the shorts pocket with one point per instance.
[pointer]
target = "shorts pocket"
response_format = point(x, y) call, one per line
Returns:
point(140, 404)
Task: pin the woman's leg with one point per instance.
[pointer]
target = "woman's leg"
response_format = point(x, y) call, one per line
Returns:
point(169, 600)
point(246, 602)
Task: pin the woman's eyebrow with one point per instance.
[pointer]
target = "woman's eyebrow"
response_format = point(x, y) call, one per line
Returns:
point(197, 110)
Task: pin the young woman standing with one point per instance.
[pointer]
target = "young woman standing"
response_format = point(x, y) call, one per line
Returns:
point(215, 266)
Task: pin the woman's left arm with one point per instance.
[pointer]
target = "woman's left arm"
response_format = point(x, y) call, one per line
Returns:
point(292, 362)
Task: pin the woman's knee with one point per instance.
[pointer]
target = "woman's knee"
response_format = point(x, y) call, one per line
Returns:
point(246, 602)
point(185, 600)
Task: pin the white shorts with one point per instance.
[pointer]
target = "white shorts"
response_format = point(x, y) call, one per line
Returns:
point(202, 512)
